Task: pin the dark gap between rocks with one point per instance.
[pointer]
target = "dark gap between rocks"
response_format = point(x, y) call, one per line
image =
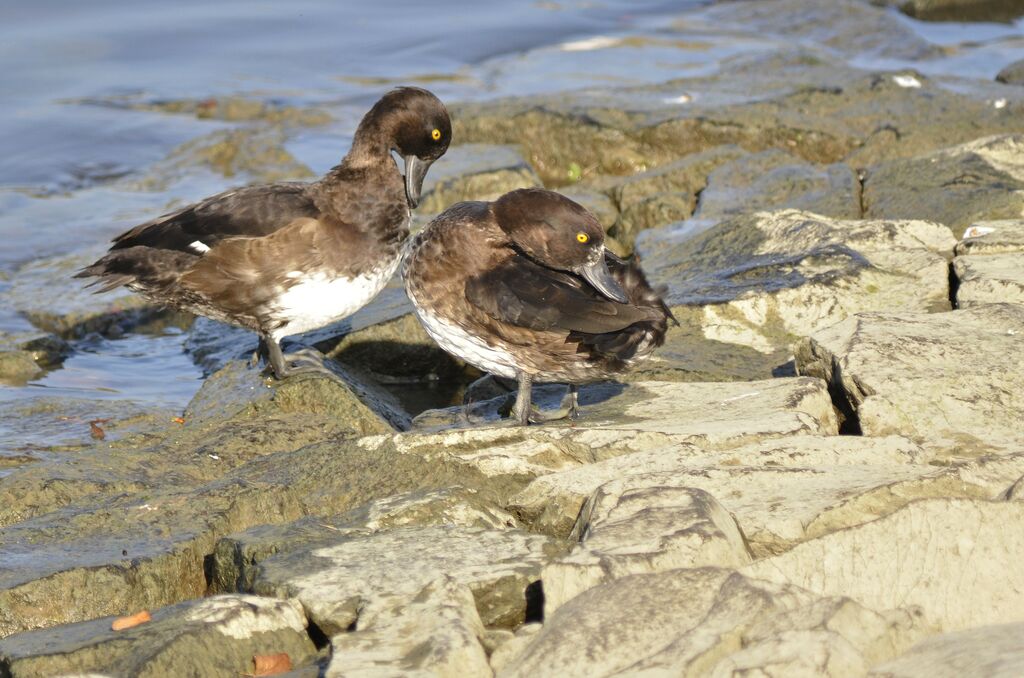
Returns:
point(954, 286)
point(849, 422)
point(534, 602)
point(317, 635)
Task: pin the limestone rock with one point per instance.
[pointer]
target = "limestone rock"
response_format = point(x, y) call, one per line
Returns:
point(436, 633)
point(475, 172)
point(993, 237)
point(626, 529)
point(992, 651)
point(18, 367)
point(709, 621)
point(337, 589)
point(954, 558)
point(754, 284)
point(989, 279)
point(773, 180)
point(212, 636)
point(1012, 74)
point(619, 419)
point(978, 180)
point(952, 379)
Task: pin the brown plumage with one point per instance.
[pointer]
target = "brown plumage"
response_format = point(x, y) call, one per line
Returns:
point(286, 258)
point(523, 288)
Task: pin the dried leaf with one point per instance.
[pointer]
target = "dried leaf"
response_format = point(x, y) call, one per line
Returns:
point(122, 623)
point(178, 420)
point(271, 664)
point(94, 429)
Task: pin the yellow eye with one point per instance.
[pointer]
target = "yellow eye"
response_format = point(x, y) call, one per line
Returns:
point(582, 237)
point(435, 135)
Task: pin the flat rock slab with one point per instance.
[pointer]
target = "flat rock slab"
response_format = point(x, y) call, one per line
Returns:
point(437, 633)
point(708, 621)
point(990, 651)
point(337, 588)
point(979, 180)
point(475, 172)
point(957, 559)
point(780, 491)
point(989, 279)
point(747, 288)
point(992, 237)
point(952, 379)
point(624, 529)
point(212, 636)
point(617, 419)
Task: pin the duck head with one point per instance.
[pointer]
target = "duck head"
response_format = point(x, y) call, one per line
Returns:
point(558, 233)
point(411, 122)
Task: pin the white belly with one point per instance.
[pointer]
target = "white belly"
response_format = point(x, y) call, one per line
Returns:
point(317, 300)
point(464, 345)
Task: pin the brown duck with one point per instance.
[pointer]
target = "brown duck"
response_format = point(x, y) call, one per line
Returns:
point(286, 258)
point(523, 288)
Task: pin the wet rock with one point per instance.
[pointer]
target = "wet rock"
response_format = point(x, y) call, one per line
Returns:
point(713, 622)
point(338, 590)
point(619, 419)
point(624, 529)
point(989, 279)
point(960, 10)
point(992, 237)
point(946, 378)
point(1013, 74)
point(18, 367)
point(438, 632)
point(993, 651)
point(849, 27)
point(781, 491)
point(979, 180)
point(476, 172)
point(215, 636)
point(746, 289)
point(775, 179)
point(954, 558)
point(237, 557)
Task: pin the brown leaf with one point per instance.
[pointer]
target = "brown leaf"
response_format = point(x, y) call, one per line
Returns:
point(178, 420)
point(94, 429)
point(271, 664)
point(122, 623)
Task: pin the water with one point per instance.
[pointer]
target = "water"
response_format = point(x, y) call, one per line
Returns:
point(85, 145)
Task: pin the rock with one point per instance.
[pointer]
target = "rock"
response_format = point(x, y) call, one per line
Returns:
point(954, 558)
point(507, 652)
point(961, 10)
point(993, 651)
point(978, 180)
point(946, 378)
point(848, 27)
point(18, 367)
point(338, 590)
point(773, 180)
point(709, 621)
point(625, 529)
point(1012, 74)
point(475, 172)
point(599, 204)
point(989, 279)
point(992, 237)
point(237, 557)
point(240, 391)
point(213, 636)
point(436, 633)
point(619, 419)
point(762, 281)
point(781, 491)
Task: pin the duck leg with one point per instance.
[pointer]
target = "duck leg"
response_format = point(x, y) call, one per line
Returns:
point(303, 362)
point(260, 353)
point(574, 402)
point(526, 413)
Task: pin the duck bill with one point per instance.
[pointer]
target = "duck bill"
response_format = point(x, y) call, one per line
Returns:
point(415, 171)
point(597, 274)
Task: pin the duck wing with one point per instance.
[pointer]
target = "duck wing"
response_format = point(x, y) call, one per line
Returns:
point(252, 212)
point(521, 292)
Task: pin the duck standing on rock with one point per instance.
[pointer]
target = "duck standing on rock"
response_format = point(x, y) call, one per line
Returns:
point(523, 288)
point(286, 258)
